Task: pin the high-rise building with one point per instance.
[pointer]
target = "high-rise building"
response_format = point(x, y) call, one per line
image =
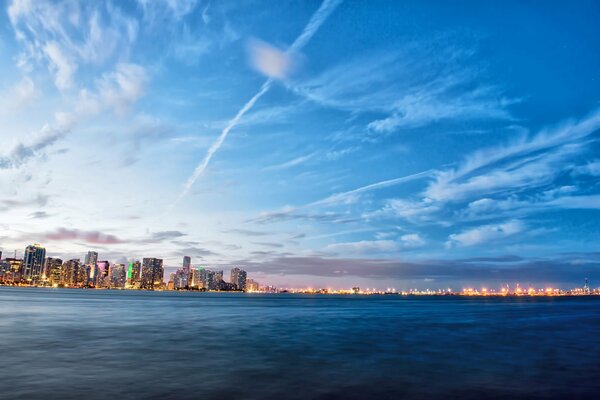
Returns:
point(53, 270)
point(134, 274)
point(71, 273)
point(118, 276)
point(33, 262)
point(187, 264)
point(90, 261)
point(152, 273)
point(102, 276)
point(91, 258)
point(238, 278)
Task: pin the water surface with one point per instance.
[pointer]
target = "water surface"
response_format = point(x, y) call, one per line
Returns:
point(94, 344)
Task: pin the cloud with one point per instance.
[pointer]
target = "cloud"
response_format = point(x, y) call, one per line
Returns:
point(269, 60)
point(31, 147)
point(117, 90)
point(418, 84)
point(39, 215)
point(162, 236)
point(291, 163)
point(485, 234)
point(63, 35)
point(591, 168)
point(9, 204)
point(18, 95)
point(533, 173)
point(93, 237)
point(269, 244)
point(155, 10)
point(405, 242)
point(365, 247)
point(247, 232)
point(526, 162)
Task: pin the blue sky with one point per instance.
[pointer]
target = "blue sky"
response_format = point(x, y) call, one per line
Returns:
point(407, 144)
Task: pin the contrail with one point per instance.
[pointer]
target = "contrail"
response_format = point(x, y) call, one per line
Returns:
point(373, 186)
point(310, 29)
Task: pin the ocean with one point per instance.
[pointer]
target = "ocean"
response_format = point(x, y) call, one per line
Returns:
point(108, 344)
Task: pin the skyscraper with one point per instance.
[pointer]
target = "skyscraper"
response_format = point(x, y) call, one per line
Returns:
point(90, 261)
point(152, 273)
point(118, 276)
point(71, 271)
point(134, 273)
point(33, 262)
point(187, 263)
point(238, 278)
point(53, 270)
point(91, 258)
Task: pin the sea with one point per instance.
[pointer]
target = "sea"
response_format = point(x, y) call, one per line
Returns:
point(112, 344)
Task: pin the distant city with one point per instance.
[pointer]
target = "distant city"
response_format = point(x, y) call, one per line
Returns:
point(36, 270)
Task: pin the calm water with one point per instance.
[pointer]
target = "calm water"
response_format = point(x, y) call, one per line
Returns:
point(73, 344)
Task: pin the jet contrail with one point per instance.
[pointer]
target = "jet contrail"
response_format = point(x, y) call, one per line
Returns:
point(310, 29)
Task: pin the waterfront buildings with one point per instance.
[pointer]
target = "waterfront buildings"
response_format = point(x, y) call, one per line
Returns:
point(33, 262)
point(238, 278)
point(152, 273)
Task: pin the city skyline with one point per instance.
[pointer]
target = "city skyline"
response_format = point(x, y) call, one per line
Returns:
point(323, 143)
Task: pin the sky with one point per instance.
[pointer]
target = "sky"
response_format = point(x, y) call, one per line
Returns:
point(406, 144)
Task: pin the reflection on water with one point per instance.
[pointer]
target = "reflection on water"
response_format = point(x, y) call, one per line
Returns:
point(73, 344)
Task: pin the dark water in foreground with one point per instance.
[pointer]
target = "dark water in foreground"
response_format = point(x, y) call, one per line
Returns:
point(76, 344)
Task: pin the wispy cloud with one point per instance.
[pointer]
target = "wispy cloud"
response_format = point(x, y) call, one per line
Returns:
point(63, 35)
point(93, 237)
point(291, 163)
point(485, 234)
point(416, 85)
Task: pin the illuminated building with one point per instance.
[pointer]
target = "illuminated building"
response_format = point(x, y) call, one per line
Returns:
point(71, 272)
point(152, 273)
point(252, 285)
point(217, 279)
point(33, 262)
point(238, 278)
point(134, 275)
point(202, 276)
point(102, 276)
point(53, 270)
point(118, 276)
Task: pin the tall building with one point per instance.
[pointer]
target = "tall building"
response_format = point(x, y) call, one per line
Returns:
point(33, 262)
point(90, 261)
point(53, 270)
point(118, 276)
point(71, 272)
point(134, 274)
point(238, 278)
point(152, 273)
point(91, 258)
point(187, 264)
point(102, 276)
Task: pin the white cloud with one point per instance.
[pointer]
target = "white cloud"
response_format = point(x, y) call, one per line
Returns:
point(63, 35)
point(412, 240)
point(269, 60)
point(413, 86)
point(61, 65)
point(485, 234)
point(18, 95)
point(365, 246)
